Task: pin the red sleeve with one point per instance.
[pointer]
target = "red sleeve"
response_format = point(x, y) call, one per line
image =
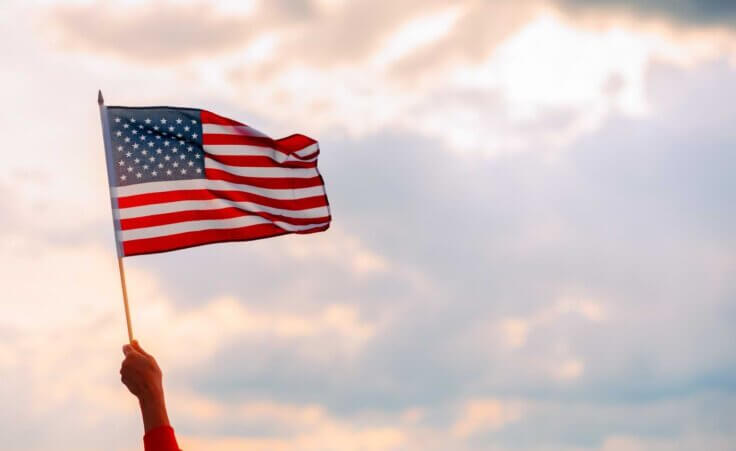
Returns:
point(160, 439)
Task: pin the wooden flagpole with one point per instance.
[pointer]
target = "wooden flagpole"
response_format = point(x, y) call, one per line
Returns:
point(113, 205)
point(121, 268)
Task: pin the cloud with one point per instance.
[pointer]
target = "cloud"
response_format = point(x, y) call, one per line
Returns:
point(694, 12)
point(486, 414)
point(160, 32)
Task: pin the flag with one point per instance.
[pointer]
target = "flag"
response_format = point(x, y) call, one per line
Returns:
point(182, 177)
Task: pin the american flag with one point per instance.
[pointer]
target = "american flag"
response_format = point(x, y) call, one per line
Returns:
point(182, 177)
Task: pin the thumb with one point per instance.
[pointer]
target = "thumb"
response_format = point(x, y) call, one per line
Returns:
point(127, 349)
point(135, 345)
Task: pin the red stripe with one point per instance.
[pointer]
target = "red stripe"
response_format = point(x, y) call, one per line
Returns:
point(236, 196)
point(190, 239)
point(209, 117)
point(259, 161)
point(216, 138)
point(200, 215)
point(294, 143)
point(264, 182)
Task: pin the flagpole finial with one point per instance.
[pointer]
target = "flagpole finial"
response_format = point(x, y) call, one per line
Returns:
point(100, 100)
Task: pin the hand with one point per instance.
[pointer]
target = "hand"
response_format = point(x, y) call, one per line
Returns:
point(142, 375)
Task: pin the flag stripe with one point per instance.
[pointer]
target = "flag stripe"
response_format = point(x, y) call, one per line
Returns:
point(231, 130)
point(216, 139)
point(271, 183)
point(261, 162)
point(170, 207)
point(217, 185)
point(192, 226)
point(190, 239)
point(208, 117)
point(245, 150)
point(238, 196)
point(261, 172)
point(222, 213)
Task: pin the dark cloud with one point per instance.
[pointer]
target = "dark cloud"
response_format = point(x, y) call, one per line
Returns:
point(697, 12)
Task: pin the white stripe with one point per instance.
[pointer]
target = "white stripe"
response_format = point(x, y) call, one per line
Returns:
point(214, 204)
point(217, 224)
point(219, 185)
point(242, 130)
point(261, 172)
point(310, 149)
point(257, 151)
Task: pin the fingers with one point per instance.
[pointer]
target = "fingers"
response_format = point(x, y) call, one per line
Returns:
point(127, 349)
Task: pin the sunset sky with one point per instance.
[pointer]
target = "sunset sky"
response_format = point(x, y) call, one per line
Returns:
point(532, 248)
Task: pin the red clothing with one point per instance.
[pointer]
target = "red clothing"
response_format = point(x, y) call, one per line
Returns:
point(160, 439)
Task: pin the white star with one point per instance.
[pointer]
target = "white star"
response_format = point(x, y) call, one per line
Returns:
point(194, 135)
point(175, 150)
point(166, 143)
point(175, 164)
point(182, 156)
point(119, 133)
point(163, 121)
point(197, 156)
point(151, 159)
point(123, 177)
point(135, 146)
point(150, 132)
point(120, 148)
point(191, 163)
point(154, 173)
point(171, 129)
point(143, 137)
point(178, 121)
point(139, 175)
point(199, 170)
point(121, 163)
point(132, 120)
point(186, 129)
point(128, 154)
point(130, 168)
point(168, 172)
point(144, 152)
point(158, 136)
point(167, 158)
point(126, 125)
point(160, 165)
point(127, 140)
point(181, 143)
point(193, 121)
point(117, 119)
point(137, 160)
point(140, 126)
point(155, 127)
point(148, 121)
point(189, 148)
point(145, 167)
point(150, 144)
point(158, 151)
point(178, 135)
point(183, 171)
point(135, 132)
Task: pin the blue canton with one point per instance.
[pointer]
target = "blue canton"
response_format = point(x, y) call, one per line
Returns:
point(155, 144)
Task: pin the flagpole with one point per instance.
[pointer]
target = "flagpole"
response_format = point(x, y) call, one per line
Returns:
point(113, 206)
point(121, 269)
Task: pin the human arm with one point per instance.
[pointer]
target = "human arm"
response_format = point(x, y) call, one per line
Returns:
point(142, 376)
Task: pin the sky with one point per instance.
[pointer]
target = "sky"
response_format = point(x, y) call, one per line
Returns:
point(532, 244)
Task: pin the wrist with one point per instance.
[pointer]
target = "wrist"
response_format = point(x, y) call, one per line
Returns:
point(153, 411)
